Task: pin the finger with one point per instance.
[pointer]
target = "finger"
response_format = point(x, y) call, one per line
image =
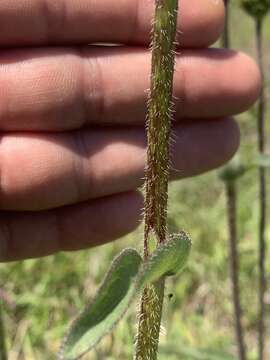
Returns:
point(45, 171)
point(107, 86)
point(39, 22)
point(28, 235)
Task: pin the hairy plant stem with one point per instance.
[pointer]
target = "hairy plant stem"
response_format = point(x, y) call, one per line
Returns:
point(157, 169)
point(231, 195)
point(3, 351)
point(262, 197)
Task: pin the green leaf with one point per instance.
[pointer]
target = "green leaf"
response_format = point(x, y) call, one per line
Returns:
point(237, 168)
point(126, 277)
point(262, 160)
point(233, 170)
point(258, 9)
point(169, 259)
point(106, 309)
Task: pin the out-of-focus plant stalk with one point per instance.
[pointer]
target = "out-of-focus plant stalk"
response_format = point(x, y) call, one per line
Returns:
point(262, 196)
point(258, 9)
point(231, 198)
point(157, 169)
point(3, 351)
point(231, 195)
point(226, 34)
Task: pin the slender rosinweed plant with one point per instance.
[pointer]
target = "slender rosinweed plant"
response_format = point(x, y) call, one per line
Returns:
point(157, 170)
point(258, 9)
point(130, 274)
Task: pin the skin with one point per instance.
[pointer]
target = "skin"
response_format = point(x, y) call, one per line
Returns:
point(72, 148)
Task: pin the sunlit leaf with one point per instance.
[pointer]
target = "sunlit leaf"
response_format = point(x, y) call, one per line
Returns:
point(107, 307)
point(263, 161)
point(169, 259)
point(126, 277)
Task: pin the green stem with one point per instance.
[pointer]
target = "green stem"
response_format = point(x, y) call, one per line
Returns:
point(231, 194)
point(226, 34)
point(231, 197)
point(150, 321)
point(157, 170)
point(159, 120)
point(3, 351)
point(262, 198)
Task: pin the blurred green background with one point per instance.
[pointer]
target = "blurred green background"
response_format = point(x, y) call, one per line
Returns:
point(45, 294)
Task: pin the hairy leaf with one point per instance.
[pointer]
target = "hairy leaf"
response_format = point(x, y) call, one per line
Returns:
point(107, 307)
point(126, 277)
point(169, 259)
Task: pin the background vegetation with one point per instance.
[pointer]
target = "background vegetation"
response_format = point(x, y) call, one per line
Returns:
point(42, 295)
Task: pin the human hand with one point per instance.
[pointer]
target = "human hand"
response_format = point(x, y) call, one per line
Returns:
point(72, 116)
